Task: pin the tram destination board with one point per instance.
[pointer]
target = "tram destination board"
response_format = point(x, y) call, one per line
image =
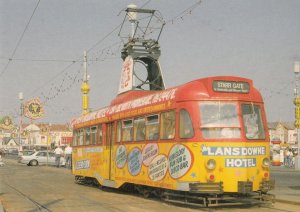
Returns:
point(231, 86)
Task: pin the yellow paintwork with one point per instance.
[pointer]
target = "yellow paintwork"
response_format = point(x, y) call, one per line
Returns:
point(190, 152)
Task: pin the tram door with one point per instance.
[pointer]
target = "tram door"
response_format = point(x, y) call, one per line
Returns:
point(110, 148)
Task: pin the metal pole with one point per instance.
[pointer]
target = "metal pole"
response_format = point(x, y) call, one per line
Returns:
point(20, 122)
point(297, 112)
point(48, 140)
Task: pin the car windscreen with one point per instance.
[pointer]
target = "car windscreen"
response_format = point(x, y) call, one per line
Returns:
point(28, 152)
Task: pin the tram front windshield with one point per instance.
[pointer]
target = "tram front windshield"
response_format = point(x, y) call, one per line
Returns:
point(221, 120)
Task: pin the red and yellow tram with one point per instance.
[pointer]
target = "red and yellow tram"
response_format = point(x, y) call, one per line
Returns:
point(205, 143)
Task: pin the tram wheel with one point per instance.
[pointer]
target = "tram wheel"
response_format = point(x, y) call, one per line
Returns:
point(146, 193)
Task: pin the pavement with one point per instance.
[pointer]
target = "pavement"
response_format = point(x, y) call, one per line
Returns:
point(287, 185)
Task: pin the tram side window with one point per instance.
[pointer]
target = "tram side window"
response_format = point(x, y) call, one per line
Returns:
point(127, 130)
point(93, 135)
point(219, 120)
point(152, 129)
point(100, 134)
point(81, 137)
point(119, 131)
point(252, 119)
point(139, 129)
point(75, 138)
point(185, 125)
point(78, 137)
point(87, 136)
point(167, 126)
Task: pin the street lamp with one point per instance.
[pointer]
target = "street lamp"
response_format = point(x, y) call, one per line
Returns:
point(297, 112)
point(20, 122)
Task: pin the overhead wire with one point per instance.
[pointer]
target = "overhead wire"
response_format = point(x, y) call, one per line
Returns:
point(50, 97)
point(20, 39)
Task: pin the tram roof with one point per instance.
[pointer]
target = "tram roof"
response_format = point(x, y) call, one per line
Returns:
point(199, 89)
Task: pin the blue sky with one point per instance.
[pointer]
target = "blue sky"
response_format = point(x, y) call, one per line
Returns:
point(255, 39)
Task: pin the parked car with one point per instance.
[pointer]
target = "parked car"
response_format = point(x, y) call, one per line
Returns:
point(40, 158)
point(13, 151)
point(24, 152)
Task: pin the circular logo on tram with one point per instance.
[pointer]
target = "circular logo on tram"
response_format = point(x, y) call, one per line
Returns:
point(135, 161)
point(149, 152)
point(121, 156)
point(158, 168)
point(180, 161)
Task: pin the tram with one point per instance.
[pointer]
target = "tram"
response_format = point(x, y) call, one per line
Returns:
point(203, 139)
point(202, 143)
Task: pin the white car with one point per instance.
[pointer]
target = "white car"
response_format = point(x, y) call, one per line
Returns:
point(40, 158)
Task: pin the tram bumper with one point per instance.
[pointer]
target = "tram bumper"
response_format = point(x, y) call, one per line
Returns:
point(215, 188)
point(245, 187)
point(213, 195)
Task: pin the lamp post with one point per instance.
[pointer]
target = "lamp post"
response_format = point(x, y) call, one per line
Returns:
point(20, 121)
point(48, 141)
point(297, 112)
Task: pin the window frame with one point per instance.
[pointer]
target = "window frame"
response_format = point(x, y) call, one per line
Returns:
point(260, 131)
point(100, 134)
point(152, 125)
point(221, 124)
point(139, 129)
point(93, 135)
point(167, 125)
point(127, 130)
point(186, 128)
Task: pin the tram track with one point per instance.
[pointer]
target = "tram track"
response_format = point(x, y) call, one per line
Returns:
point(24, 194)
point(39, 207)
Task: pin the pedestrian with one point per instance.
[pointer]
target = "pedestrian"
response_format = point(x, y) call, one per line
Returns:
point(285, 163)
point(58, 153)
point(68, 156)
point(1, 161)
point(290, 158)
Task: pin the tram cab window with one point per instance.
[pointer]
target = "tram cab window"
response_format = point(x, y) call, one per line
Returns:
point(87, 136)
point(152, 127)
point(167, 126)
point(93, 135)
point(253, 121)
point(219, 120)
point(127, 130)
point(139, 129)
point(80, 137)
point(185, 125)
point(100, 134)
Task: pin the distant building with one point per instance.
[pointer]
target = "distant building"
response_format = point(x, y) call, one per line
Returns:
point(38, 136)
point(9, 143)
point(44, 135)
point(285, 132)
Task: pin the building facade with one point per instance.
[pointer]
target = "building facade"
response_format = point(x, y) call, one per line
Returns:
point(283, 133)
point(37, 136)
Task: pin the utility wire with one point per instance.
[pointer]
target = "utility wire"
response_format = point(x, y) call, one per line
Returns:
point(189, 9)
point(90, 49)
point(19, 41)
point(53, 78)
point(41, 60)
point(107, 35)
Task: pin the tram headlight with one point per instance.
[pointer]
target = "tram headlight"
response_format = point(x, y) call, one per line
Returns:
point(266, 162)
point(211, 164)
